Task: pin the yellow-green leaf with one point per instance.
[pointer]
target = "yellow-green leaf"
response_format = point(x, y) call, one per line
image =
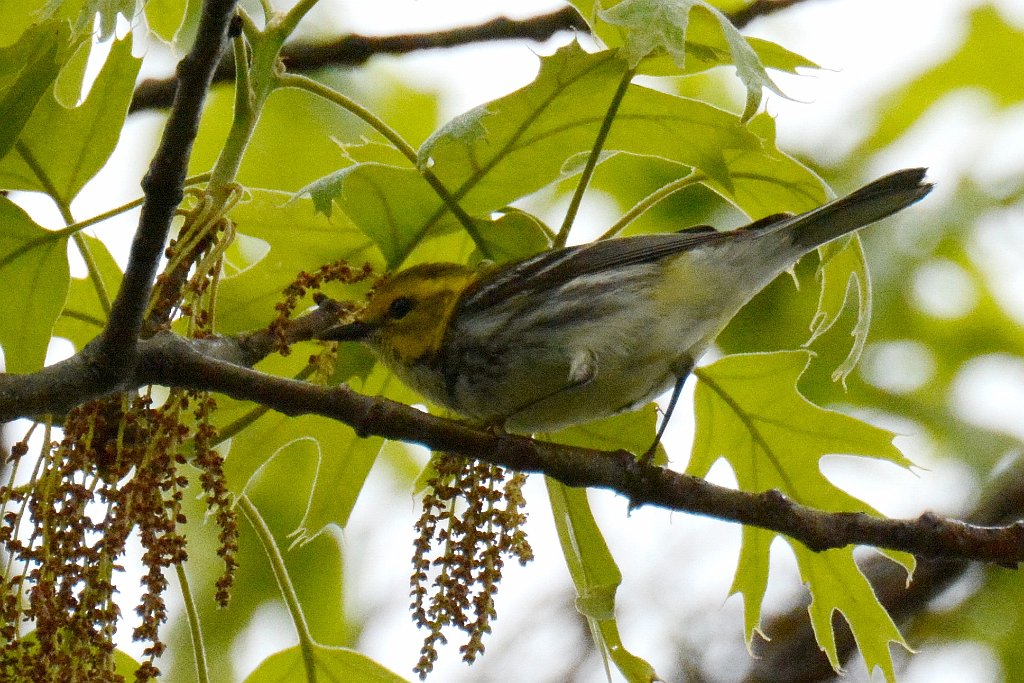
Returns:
point(281, 237)
point(27, 70)
point(333, 664)
point(34, 280)
point(843, 270)
point(84, 315)
point(60, 149)
point(749, 412)
point(596, 577)
point(679, 27)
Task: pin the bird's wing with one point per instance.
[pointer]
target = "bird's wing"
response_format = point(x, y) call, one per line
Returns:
point(554, 268)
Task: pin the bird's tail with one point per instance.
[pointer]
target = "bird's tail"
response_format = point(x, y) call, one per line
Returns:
point(871, 203)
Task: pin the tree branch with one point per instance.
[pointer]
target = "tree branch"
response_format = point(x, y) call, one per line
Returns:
point(163, 187)
point(794, 655)
point(218, 364)
point(354, 49)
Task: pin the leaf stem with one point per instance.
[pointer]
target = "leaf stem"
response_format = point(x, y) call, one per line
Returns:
point(248, 105)
point(595, 155)
point(294, 16)
point(81, 225)
point(291, 599)
point(44, 179)
point(650, 200)
point(198, 647)
point(63, 205)
point(94, 272)
point(392, 136)
point(331, 95)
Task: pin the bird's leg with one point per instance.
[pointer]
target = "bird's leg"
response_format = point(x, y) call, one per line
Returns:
point(648, 455)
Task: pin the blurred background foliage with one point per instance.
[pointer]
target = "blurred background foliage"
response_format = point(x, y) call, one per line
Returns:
point(944, 366)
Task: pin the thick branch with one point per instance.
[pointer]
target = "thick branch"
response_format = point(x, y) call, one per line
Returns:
point(178, 364)
point(210, 364)
point(163, 185)
point(793, 653)
point(353, 49)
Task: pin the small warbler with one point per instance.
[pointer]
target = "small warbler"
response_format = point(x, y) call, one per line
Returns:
point(580, 333)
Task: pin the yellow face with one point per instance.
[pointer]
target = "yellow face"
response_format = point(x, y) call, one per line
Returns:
point(407, 317)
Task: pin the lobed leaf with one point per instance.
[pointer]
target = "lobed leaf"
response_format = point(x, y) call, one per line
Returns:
point(843, 270)
point(281, 237)
point(507, 149)
point(680, 28)
point(749, 412)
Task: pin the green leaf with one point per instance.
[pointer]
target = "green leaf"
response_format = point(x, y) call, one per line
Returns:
point(595, 575)
point(518, 144)
point(765, 180)
point(843, 270)
point(165, 17)
point(27, 70)
point(336, 664)
point(673, 27)
point(34, 280)
point(633, 431)
point(390, 204)
point(84, 316)
point(511, 147)
point(60, 149)
point(749, 412)
point(342, 459)
point(591, 565)
point(125, 665)
point(514, 235)
point(281, 237)
point(107, 11)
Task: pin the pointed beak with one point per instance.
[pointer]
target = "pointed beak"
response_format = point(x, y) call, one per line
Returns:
point(354, 331)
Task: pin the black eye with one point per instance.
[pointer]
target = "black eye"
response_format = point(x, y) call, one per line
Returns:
point(400, 307)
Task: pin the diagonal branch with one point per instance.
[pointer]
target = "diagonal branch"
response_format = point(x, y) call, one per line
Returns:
point(163, 186)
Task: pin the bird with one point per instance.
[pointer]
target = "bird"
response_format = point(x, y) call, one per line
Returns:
point(579, 333)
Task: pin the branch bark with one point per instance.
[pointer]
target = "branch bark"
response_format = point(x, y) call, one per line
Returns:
point(219, 365)
point(793, 654)
point(163, 186)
